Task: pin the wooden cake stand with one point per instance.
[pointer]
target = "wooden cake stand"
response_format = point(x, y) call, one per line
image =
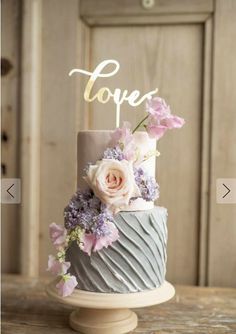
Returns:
point(109, 313)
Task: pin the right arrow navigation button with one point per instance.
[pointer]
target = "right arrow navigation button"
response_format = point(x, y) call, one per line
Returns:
point(226, 191)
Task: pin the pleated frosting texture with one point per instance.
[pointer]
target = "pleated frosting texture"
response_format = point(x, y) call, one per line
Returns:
point(135, 262)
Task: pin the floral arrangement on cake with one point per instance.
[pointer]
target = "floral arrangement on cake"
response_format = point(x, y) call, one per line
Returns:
point(114, 182)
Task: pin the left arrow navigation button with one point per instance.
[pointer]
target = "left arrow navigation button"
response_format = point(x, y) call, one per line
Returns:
point(10, 191)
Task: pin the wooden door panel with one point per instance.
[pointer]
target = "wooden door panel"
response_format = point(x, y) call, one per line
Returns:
point(222, 222)
point(168, 57)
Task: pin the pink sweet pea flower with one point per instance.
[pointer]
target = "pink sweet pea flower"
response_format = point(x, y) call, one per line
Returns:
point(91, 243)
point(174, 122)
point(107, 240)
point(88, 241)
point(157, 107)
point(160, 118)
point(56, 267)
point(129, 151)
point(58, 235)
point(154, 128)
point(121, 134)
point(66, 285)
point(125, 139)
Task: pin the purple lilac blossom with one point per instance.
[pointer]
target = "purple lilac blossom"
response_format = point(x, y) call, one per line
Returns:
point(114, 153)
point(77, 205)
point(100, 228)
point(147, 184)
point(87, 211)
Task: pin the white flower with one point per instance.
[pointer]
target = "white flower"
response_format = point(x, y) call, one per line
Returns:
point(113, 182)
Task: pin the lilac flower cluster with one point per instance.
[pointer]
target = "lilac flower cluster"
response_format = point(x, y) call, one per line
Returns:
point(147, 184)
point(87, 211)
point(113, 153)
point(99, 228)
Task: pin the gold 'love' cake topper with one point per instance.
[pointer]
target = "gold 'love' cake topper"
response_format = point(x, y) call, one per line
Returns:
point(104, 94)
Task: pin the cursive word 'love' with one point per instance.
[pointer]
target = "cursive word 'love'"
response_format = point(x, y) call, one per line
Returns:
point(104, 94)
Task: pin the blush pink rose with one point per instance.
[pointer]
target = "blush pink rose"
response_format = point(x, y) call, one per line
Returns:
point(56, 267)
point(58, 235)
point(113, 182)
point(91, 243)
point(66, 285)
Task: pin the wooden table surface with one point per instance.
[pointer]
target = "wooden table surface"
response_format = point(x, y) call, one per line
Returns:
point(26, 309)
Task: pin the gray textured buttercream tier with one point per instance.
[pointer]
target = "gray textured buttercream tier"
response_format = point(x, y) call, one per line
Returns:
point(135, 262)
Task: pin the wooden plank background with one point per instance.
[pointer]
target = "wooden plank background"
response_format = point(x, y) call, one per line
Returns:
point(10, 70)
point(170, 46)
point(90, 8)
point(222, 219)
point(59, 116)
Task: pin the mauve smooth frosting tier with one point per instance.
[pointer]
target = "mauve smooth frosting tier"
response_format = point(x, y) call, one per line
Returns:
point(135, 262)
point(91, 145)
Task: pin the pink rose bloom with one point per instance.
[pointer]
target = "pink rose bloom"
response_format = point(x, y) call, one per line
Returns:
point(56, 267)
point(66, 285)
point(58, 235)
point(113, 182)
point(91, 243)
point(160, 118)
point(125, 139)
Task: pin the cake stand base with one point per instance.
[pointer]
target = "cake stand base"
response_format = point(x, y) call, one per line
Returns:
point(109, 313)
point(96, 321)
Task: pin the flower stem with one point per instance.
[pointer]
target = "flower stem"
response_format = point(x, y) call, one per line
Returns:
point(140, 123)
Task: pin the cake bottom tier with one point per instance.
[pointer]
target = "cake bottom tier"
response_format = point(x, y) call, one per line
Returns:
point(135, 262)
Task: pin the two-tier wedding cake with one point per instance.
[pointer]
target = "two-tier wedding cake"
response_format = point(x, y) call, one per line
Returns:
point(115, 238)
point(137, 259)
